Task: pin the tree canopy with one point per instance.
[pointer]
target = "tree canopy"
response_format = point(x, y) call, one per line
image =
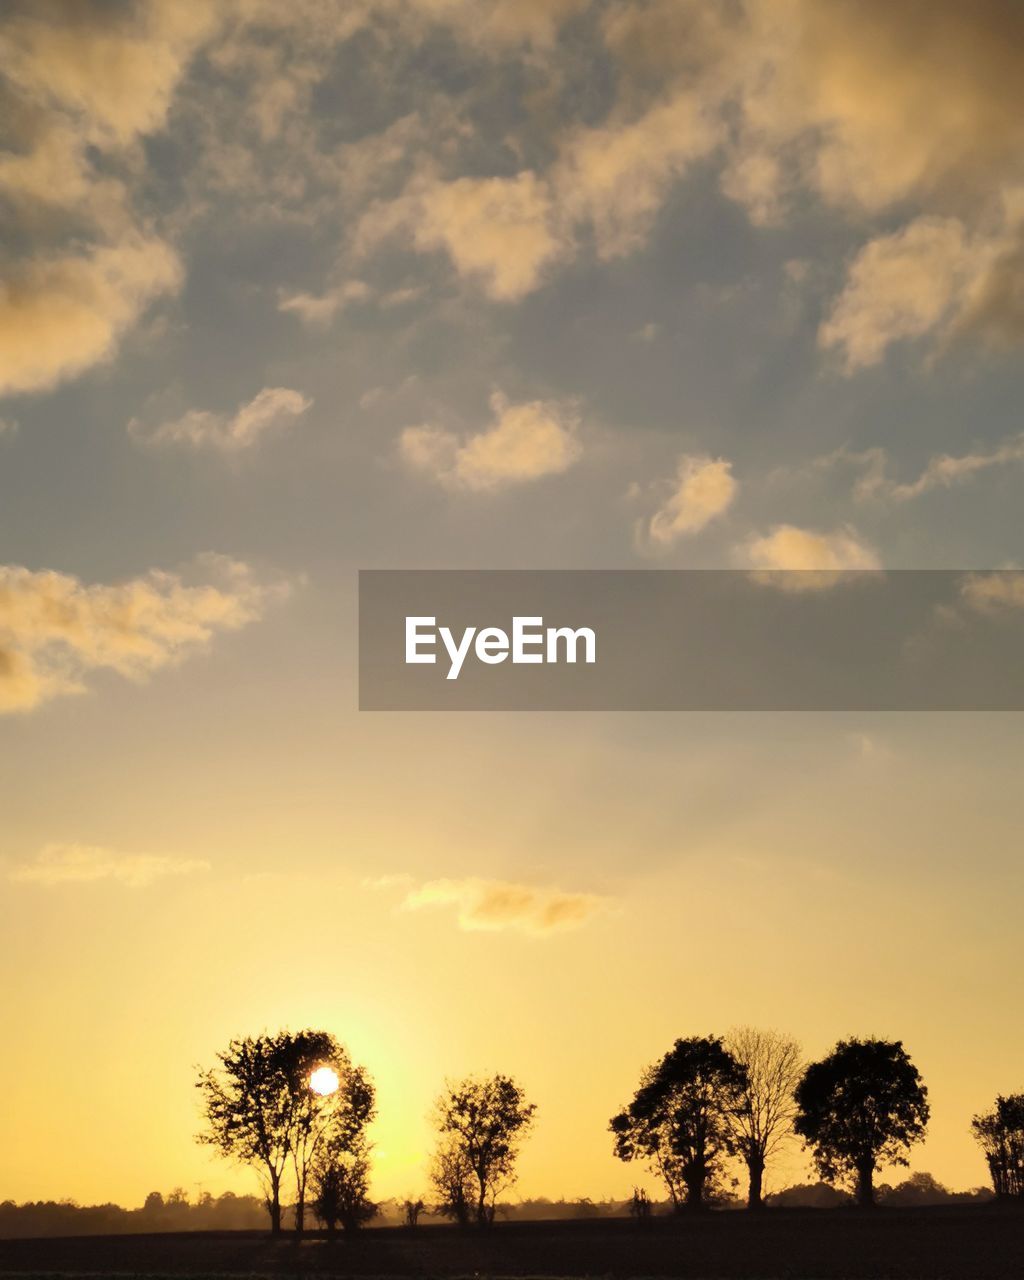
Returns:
point(481, 1125)
point(860, 1107)
point(261, 1109)
point(1000, 1132)
point(681, 1118)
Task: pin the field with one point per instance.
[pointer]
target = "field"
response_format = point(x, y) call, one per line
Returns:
point(943, 1243)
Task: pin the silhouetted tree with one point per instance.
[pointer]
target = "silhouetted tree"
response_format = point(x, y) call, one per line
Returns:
point(330, 1127)
point(1001, 1135)
point(640, 1205)
point(682, 1118)
point(481, 1123)
point(259, 1107)
point(411, 1210)
point(860, 1107)
point(765, 1119)
point(452, 1179)
point(341, 1183)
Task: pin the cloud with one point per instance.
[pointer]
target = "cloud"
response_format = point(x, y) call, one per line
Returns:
point(824, 559)
point(525, 442)
point(271, 409)
point(497, 904)
point(55, 630)
point(703, 488)
point(902, 286)
point(498, 232)
point(500, 23)
point(320, 309)
point(58, 864)
point(993, 592)
point(615, 177)
point(504, 233)
point(889, 101)
point(943, 471)
point(61, 314)
point(82, 83)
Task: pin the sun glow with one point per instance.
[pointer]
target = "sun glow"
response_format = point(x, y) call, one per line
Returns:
point(324, 1081)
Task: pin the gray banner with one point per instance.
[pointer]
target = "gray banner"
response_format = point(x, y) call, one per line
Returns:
point(690, 640)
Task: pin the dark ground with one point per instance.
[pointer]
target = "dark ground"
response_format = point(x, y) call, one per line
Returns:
point(959, 1243)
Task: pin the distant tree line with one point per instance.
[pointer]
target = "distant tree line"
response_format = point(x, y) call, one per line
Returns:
point(176, 1211)
point(296, 1109)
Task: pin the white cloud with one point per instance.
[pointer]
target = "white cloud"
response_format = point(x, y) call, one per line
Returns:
point(59, 864)
point(55, 629)
point(271, 409)
point(525, 442)
point(824, 559)
point(497, 904)
point(703, 488)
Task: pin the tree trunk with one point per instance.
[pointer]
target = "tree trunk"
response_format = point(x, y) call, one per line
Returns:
point(865, 1185)
point(755, 1168)
point(274, 1205)
point(695, 1191)
point(300, 1213)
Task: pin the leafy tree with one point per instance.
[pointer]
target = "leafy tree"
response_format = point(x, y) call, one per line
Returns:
point(341, 1182)
point(411, 1210)
point(765, 1119)
point(682, 1118)
point(329, 1127)
point(451, 1176)
point(861, 1107)
point(260, 1109)
point(1000, 1133)
point(481, 1123)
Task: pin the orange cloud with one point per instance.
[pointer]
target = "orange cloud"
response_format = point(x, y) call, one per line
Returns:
point(55, 629)
point(498, 904)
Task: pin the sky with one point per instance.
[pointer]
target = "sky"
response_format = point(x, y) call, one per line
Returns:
point(289, 291)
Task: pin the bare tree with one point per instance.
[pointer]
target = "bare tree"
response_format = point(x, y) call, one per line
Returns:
point(765, 1119)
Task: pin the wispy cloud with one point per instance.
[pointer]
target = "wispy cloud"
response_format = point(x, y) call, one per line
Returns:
point(55, 629)
point(525, 442)
point(494, 905)
point(271, 409)
point(944, 471)
point(59, 864)
point(318, 310)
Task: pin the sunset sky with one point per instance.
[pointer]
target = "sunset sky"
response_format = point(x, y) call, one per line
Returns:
point(290, 290)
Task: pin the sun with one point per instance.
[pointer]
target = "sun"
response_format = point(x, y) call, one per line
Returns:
point(324, 1081)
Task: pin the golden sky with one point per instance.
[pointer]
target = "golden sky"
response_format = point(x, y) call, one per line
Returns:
point(294, 290)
